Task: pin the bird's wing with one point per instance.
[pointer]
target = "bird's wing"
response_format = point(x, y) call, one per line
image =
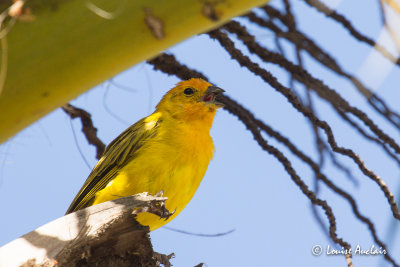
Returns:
point(119, 152)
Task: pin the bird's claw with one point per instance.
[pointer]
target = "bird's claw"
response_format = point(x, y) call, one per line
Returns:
point(159, 194)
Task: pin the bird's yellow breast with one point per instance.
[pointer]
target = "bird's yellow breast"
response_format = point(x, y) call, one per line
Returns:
point(174, 161)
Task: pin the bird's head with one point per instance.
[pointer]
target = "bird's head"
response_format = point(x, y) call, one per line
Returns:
point(194, 99)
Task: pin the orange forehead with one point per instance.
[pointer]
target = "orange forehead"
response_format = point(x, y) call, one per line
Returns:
point(177, 103)
point(195, 83)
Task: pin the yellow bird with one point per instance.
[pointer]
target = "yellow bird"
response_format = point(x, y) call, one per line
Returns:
point(167, 151)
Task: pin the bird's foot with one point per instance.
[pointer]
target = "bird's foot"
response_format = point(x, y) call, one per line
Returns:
point(159, 194)
point(156, 207)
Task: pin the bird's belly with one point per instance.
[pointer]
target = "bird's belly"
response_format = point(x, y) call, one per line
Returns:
point(178, 179)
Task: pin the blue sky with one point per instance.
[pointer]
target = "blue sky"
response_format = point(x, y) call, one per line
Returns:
point(245, 188)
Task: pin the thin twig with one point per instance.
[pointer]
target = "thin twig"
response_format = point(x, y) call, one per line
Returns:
point(245, 61)
point(198, 234)
point(308, 45)
point(169, 65)
point(87, 127)
point(244, 115)
point(325, 92)
point(320, 145)
point(321, 7)
point(78, 146)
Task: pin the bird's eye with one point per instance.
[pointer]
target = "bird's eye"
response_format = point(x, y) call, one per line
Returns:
point(188, 91)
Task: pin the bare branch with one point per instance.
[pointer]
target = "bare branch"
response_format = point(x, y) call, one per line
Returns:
point(301, 75)
point(168, 64)
point(321, 7)
point(305, 43)
point(87, 127)
point(106, 234)
point(270, 79)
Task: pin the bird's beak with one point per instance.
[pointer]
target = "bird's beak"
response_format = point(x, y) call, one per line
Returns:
point(210, 95)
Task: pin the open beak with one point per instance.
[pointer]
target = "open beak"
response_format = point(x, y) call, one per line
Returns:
point(210, 95)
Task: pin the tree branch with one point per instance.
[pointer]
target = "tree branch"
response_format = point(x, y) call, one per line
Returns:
point(106, 234)
point(87, 127)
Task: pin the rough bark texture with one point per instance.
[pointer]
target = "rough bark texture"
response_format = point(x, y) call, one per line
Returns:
point(103, 235)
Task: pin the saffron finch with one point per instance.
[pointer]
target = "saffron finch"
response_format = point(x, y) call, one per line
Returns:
point(168, 151)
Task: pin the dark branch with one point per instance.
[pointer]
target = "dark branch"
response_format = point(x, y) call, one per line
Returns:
point(184, 73)
point(321, 7)
point(87, 127)
point(303, 76)
point(245, 61)
point(300, 40)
